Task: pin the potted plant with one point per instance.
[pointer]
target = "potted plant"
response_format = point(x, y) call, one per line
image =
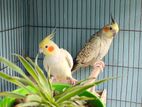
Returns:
point(42, 92)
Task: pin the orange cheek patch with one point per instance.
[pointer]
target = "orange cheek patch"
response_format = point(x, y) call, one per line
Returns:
point(106, 29)
point(50, 48)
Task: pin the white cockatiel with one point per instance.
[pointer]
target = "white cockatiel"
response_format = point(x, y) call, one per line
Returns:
point(97, 47)
point(58, 60)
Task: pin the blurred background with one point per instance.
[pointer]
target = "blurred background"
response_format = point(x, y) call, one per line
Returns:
point(24, 23)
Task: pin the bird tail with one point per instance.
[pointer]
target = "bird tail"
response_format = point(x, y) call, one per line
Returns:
point(75, 67)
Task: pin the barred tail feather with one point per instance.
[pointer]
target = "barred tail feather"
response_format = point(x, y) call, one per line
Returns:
point(75, 67)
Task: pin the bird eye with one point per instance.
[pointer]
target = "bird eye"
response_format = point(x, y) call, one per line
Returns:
point(46, 46)
point(110, 28)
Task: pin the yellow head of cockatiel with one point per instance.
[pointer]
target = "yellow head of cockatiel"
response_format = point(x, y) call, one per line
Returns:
point(47, 46)
point(110, 30)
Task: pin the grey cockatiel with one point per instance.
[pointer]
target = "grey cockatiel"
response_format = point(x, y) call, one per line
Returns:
point(97, 47)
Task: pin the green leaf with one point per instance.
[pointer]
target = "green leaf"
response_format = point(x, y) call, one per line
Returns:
point(41, 76)
point(83, 81)
point(32, 72)
point(13, 66)
point(49, 81)
point(28, 67)
point(104, 80)
point(13, 80)
point(16, 69)
point(45, 84)
point(73, 91)
point(11, 94)
point(22, 80)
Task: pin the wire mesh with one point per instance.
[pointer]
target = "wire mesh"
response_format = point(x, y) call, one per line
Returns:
point(24, 24)
point(12, 35)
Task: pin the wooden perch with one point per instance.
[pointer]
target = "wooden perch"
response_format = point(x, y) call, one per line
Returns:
point(98, 67)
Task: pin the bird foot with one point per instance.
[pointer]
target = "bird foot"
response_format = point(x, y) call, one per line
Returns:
point(72, 81)
point(99, 64)
point(53, 79)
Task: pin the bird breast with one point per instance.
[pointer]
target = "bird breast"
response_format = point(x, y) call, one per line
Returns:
point(58, 66)
point(105, 45)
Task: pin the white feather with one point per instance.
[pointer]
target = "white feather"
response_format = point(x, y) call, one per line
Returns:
point(60, 64)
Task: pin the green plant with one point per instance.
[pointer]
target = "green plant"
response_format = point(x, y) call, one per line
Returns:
point(44, 95)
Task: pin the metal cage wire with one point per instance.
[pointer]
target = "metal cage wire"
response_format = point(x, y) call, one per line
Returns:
point(24, 23)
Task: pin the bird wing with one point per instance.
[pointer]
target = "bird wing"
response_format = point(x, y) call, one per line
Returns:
point(88, 53)
point(68, 57)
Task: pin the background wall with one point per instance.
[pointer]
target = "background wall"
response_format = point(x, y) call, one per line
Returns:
point(76, 21)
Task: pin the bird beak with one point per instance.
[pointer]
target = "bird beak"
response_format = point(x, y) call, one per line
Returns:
point(40, 50)
point(114, 34)
point(113, 21)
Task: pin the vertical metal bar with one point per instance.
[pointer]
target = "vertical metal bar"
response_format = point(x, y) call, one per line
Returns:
point(24, 37)
point(131, 96)
point(55, 15)
point(16, 25)
point(6, 43)
point(72, 26)
point(46, 16)
point(2, 88)
point(113, 52)
point(37, 35)
point(1, 66)
point(11, 23)
point(68, 22)
point(16, 30)
point(138, 74)
point(34, 20)
point(104, 24)
point(26, 23)
point(118, 54)
point(81, 32)
point(42, 18)
point(128, 53)
point(85, 70)
point(121, 91)
point(12, 26)
point(59, 20)
point(50, 15)
point(76, 26)
point(9, 85)
point(100, 2)
point(90, 23)
point(63, 24)
point(108, 54)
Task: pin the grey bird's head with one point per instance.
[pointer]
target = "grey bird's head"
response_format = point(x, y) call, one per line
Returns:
point(110, 30)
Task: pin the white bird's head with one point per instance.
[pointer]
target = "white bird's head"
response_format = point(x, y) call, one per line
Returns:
point(47, 46)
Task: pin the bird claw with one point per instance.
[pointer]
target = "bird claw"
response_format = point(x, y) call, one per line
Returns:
point(99, 64)
point(53, 79)
point(72, 81)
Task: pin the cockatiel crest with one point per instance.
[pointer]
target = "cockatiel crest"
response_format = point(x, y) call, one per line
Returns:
point(97, 47)
point(47, 39)
point(47, 46)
